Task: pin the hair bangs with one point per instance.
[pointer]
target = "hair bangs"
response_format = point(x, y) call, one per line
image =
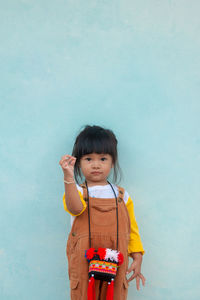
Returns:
point(96, 144)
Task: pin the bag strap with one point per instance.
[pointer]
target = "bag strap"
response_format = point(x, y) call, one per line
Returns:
point(89, 212)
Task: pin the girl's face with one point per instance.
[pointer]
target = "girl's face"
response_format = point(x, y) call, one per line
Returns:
point(96, 168)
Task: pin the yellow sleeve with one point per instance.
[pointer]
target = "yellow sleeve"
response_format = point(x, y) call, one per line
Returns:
point(135, 244)
point(82, 200)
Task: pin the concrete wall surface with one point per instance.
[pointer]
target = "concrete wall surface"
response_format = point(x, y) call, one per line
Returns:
point(132, 66)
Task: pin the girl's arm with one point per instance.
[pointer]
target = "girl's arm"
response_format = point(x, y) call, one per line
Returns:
point(72, 198)
point(135, 243)
point(135, 247)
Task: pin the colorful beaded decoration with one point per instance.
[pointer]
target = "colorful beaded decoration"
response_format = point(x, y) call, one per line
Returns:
point(103, 263)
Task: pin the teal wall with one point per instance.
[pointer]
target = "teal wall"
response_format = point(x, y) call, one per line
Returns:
point(132, 66)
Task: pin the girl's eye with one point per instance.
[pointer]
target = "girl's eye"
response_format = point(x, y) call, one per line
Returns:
point(103, 158)
point(88, 158)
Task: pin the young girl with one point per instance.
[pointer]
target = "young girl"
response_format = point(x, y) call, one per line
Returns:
point(102, 216)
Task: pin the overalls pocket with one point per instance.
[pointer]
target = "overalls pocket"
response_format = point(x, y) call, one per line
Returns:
point(73, 259)
point(73, 266)
point(74, 284)
point(103, 215)
point(75, 289)
point(77, 262)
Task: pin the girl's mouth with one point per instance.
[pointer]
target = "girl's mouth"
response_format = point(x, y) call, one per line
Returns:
point(95, 173)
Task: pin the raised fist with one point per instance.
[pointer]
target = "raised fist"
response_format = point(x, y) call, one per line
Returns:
point(67, 163)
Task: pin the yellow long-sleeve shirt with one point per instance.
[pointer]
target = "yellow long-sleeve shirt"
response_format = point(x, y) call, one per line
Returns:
point(135, 243)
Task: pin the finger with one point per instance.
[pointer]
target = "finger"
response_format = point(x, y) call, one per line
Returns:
point(65, 166)
point(70, 158)
point(143, 279)
point(138, 282)
point(61, 160)
point(71, 161)
point(66, 155)
point(132, 267)
point(133, 276)
point(68, 163)
point(65, 158)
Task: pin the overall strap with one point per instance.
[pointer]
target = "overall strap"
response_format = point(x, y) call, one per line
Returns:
point(89, 212)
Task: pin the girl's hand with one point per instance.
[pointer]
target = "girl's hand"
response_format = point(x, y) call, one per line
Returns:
point(136, 268)
point(67, 163)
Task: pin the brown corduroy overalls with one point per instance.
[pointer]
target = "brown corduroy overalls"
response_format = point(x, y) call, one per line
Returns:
point(103, 224)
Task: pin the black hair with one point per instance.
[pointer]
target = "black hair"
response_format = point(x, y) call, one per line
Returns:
point(96, 139)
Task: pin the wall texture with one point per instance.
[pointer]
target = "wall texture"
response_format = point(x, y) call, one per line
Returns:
point(132, 66)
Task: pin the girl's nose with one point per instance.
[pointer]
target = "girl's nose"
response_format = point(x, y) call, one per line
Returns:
point(95, 164)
